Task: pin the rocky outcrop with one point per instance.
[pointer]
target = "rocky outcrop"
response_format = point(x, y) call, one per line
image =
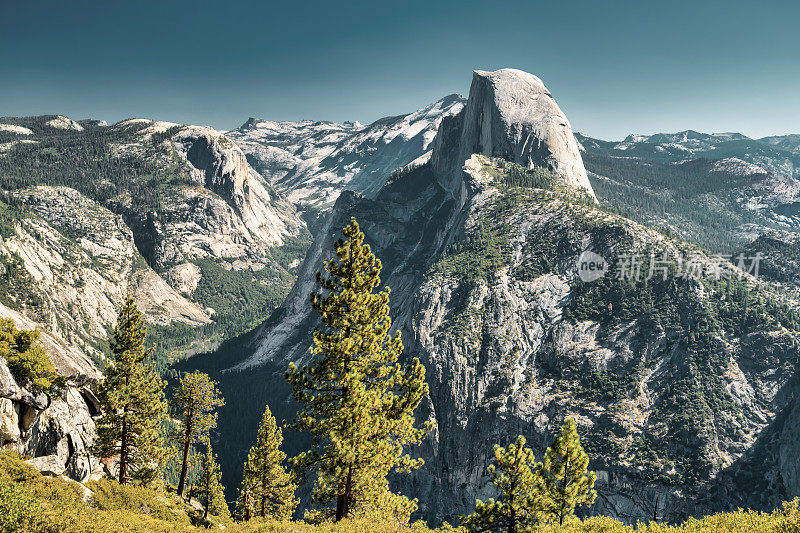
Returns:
point(221, 167)
point(510, 114)
point(56, 432)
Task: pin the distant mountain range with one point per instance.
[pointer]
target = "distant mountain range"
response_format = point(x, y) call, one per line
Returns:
point(312, 162)
point(780, 154)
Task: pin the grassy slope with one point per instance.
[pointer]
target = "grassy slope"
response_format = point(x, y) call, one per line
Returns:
point(32, 503)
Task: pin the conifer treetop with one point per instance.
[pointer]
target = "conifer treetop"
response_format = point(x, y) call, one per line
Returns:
point(357, 399)
point(565, 477)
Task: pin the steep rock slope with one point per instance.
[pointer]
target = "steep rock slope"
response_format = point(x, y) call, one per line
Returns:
point(312, 162)
point(68, 262)
point(677, 382)
point(509, 114)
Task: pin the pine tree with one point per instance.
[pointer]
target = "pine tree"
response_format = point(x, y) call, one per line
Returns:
point(266, 486)
point(565, 480)
point(193, 406)
point(357, 401)
point(132, 401)
point(209, 489)
point(245, 503)
point(514, 474)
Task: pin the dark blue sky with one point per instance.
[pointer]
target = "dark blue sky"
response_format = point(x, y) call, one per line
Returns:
point(614, 66)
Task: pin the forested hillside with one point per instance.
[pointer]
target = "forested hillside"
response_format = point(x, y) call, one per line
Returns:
point(204, 227)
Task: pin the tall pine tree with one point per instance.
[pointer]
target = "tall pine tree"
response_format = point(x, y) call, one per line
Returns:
point(209, 490)
point(519, 507)
point(132, 401)
point(357, 401)
point(193, 406)
point(267, 487)
point(565, 480)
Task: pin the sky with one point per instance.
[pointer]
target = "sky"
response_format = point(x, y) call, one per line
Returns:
point(614, 67)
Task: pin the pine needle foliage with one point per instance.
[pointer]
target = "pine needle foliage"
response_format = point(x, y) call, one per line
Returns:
point(132, 401)
point(357, 400)
point(267, 488)
point(565, 479)
point(193, 406)
point(519, 508)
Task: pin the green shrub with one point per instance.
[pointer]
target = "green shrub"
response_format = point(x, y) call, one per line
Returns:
point(19, 511)
point(28, 361)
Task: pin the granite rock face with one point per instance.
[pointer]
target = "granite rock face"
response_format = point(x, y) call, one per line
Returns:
point(259, 217)
point(55, 431)
point(153, 208)
point(510, 114)
point(78, 260)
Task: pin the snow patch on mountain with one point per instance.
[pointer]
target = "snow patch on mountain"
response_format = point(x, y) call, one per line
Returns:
point(311, 162)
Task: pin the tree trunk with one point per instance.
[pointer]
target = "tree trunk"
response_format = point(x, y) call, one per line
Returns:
point(343, 500)
point(123, 448)
point(342, 504)
point(512, 519)
point(187, 443)
point(348, 490)
point(339, 507)
point(564, 503)
point(264, 496)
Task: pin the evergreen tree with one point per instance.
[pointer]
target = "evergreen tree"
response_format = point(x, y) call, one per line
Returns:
point(266, 486)
point(245, 503)
point(357, 401)
point(209, 489)
point(565, 480)
point(132, 400)
point(514, 474)
point(193, 406)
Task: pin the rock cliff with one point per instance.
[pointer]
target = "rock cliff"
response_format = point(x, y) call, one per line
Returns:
point(509, 114)
point(56, 432)
point(69, 263)
point(163, 210)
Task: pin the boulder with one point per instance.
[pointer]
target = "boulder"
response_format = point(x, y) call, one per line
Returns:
point(48, 465)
